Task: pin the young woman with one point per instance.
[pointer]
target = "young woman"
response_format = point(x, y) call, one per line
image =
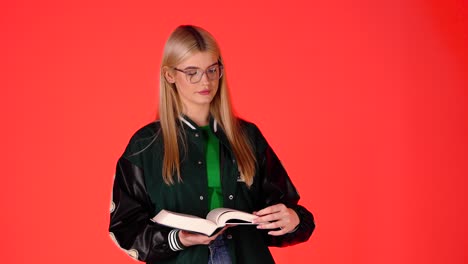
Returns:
point(197, 157)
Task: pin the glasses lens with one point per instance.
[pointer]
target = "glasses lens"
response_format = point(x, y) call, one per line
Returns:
point(193, 75)
point(212, 73)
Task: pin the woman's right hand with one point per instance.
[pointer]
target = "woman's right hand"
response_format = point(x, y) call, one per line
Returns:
point(190, 239)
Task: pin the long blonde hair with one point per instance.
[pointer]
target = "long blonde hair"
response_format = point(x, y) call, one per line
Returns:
point(182, 43)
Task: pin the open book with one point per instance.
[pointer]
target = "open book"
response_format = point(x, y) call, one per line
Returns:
point(216, 219)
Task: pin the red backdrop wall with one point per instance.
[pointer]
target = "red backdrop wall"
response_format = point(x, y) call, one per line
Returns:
point(364, 101)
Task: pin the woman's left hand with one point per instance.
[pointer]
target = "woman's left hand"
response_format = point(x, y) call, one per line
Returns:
point(277, 216)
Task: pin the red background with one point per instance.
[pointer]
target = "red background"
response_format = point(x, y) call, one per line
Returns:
point(364, 102)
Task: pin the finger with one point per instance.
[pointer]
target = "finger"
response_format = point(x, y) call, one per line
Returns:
point(271, 209)
point(272, 217)
point(272, 225)
point(221, 231)
point(277, 233)
point(279, 230)
point(266, 219)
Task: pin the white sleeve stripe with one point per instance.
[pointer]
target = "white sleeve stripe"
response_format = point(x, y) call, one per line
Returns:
point(173, 240)
point(176, 244)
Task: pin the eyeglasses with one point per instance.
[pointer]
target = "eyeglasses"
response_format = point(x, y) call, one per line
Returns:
point(194, 75)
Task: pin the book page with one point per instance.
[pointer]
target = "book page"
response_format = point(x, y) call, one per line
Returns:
point(220, 216)
point(185, 222)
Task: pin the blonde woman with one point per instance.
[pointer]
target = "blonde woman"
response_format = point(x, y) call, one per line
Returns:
point(198, 156)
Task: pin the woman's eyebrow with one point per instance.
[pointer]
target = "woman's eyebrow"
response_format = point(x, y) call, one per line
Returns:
point(193, 67)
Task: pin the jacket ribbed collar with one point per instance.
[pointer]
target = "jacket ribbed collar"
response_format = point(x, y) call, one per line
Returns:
point(193, 126)
point(189, 125)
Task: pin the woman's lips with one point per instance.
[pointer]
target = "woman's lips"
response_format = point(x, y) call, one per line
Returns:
point(204, 92)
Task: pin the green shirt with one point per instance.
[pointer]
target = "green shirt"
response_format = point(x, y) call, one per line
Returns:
point(215, 192)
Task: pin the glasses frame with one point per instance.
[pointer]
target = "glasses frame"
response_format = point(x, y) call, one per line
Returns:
point(188, 77)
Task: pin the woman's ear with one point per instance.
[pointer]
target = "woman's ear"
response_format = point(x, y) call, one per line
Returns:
point(168, 74)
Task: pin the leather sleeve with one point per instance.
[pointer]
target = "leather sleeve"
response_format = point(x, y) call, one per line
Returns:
point(278, 188)
point(131, 210)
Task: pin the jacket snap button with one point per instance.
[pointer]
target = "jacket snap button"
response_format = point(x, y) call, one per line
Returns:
point(201, 197)
point(200, 162)
point(231, 197)
point(229, 236)
point(196, 134)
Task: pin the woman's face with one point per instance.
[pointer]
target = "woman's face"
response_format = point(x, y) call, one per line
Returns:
point(194, 95)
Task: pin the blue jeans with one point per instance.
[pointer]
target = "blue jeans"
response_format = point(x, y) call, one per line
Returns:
point(219, 253)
